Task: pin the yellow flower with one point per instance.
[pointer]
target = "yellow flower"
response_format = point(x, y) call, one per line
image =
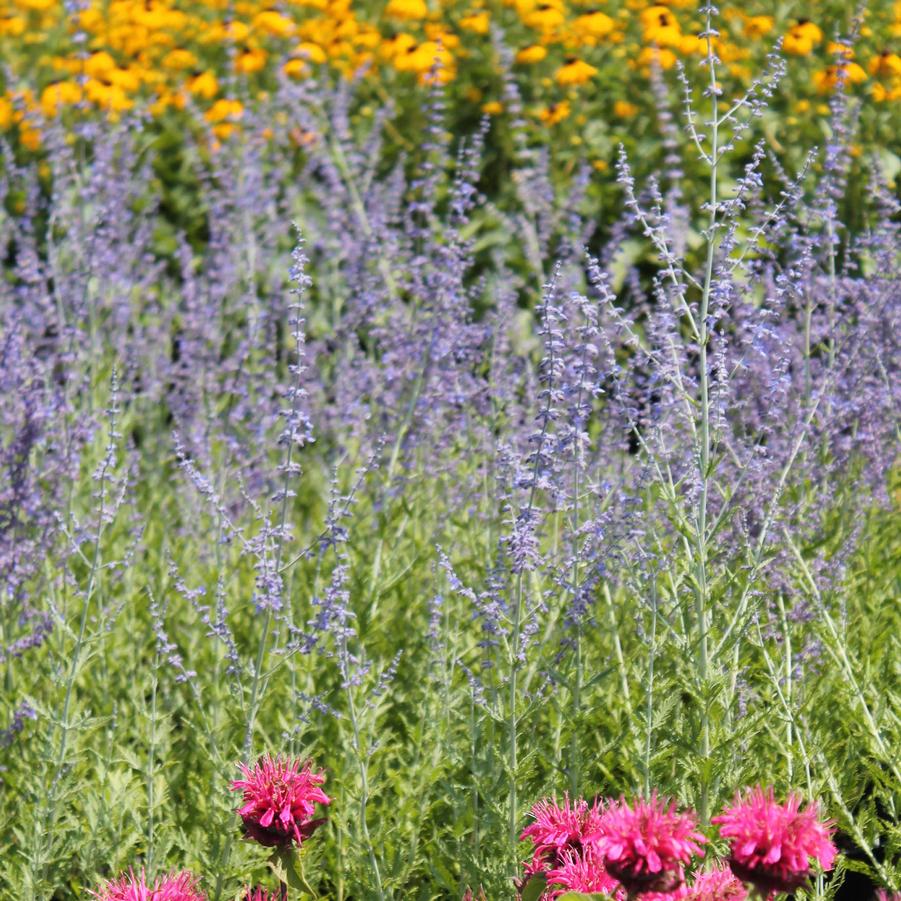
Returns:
point(575, 72)
point(833, 48)
point(179, 59)
point(273, 23)
point(554, 113)
point(624, 110)
point(534, 54)
point(437, 32)
point(545, 17)
point(224, 130)
point(204, 85)
point(162, 103)
point(657, 16)
point(758, 26)
point(808, 28)
point(595, 25)
point(60, 94)
point(250, 61)
point(127, 79)
point(36, 5)
point(99, 64)
point(30, 137)
point(660, 27)
point(6, 112)
point(14, 26)
point(107, 96)
point(369, 38)
point(225, 109)
point(492, 108)
point(660, 56)
point(600, 165)
point(731, 52)
point(669, 36)
point(424, 58)
point(886, 65)
point(802, 106)
point(436, 76)
point(398, 45)
point(313, 52)
point(828, 79)
point(477, 23)
point(802, 38)
point(296, 68)
point(406, 9)
point(237, 31)
point(882, 94)
point(691, 43)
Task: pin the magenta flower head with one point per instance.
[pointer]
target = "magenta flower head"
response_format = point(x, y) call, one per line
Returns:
point(677, 894)
point(280, 796)
point(260, 894)
point(646, 846)
point(560, 827)
point(176, 887)
point(580, 872)
point(717, 884)
point(773, 844)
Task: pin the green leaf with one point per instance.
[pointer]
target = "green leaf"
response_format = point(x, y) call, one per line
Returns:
point(534, 888)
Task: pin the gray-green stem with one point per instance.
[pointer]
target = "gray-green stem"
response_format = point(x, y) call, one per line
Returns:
point(701, 591)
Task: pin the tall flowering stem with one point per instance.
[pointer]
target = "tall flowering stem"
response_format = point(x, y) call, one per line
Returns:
point(105, 479)
point(297, 431)
point(701, 590)
point(520, 540)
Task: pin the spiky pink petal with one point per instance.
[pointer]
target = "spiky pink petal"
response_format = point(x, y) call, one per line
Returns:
point(646, 846)
point(580, 871)
point(717, 884)
point(130, 887)
point(280, 797)
point(259, 894)
point(773, 844)
point(559, 827)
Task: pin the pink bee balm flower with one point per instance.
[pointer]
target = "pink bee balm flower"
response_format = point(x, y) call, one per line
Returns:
point(646, 846)
point(280, 795)
point(558, 828)
point(677, 894)
point(772, 844)
point(579, 872)
point(176, 887)
point(718, 884)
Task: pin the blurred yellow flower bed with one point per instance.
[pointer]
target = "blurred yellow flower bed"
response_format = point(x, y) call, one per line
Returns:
point(570, 59)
